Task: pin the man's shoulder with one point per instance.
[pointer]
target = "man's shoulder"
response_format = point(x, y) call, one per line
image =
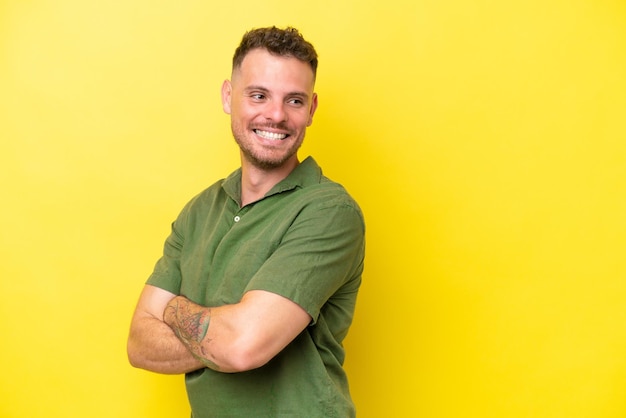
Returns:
point(207, 196)
point(328, 193)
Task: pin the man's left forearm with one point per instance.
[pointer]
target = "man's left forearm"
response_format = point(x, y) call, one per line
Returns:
point(190, 322)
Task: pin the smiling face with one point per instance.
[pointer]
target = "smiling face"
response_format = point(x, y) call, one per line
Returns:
point(271, 102)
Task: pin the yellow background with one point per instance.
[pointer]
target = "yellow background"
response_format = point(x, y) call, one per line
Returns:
point(484, 140)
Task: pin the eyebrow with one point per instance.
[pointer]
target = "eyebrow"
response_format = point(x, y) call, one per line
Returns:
point(265, 90)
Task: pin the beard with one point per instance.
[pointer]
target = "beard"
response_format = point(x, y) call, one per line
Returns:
point(262, 157)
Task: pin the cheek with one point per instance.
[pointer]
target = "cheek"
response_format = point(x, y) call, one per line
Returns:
point(243, 112)
point(303, 119)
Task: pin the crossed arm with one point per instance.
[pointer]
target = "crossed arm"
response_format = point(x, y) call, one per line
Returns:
point(170, 334)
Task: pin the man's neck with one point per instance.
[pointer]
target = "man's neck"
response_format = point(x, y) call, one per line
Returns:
point(256, 182)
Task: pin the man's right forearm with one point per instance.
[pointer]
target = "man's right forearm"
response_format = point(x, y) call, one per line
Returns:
point(152, 345)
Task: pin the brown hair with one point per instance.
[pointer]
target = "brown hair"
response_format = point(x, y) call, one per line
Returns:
point(286, 42)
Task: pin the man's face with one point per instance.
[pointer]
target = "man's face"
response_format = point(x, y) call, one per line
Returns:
point(271, 103)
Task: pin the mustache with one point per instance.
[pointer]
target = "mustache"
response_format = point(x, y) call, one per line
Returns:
point(278, 126)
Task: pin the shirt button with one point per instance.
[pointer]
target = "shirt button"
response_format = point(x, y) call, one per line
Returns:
point(237, 218)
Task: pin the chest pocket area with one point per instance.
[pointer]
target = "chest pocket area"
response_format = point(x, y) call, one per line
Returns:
point(243, 262)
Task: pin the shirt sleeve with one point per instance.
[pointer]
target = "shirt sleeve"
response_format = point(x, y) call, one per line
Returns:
point(167, 274)
point(320, 255)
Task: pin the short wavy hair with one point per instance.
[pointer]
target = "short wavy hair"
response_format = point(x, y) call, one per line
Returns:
point(286, 42)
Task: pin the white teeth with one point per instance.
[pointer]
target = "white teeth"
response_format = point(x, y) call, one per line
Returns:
point(270, 135)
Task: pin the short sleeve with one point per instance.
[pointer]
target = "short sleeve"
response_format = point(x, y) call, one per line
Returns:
point(167, 274)
point(321, 253)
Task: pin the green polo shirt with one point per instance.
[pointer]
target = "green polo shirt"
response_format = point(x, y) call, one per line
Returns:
point(305, 241)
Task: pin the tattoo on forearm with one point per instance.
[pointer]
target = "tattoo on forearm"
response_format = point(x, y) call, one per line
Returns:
point(190, 322)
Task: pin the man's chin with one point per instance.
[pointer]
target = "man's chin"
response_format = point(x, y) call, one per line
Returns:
point(265, 163)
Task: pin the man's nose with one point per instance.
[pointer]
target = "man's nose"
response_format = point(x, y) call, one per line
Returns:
point(275, 112)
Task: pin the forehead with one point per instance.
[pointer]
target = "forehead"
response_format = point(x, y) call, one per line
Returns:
point(261, 67)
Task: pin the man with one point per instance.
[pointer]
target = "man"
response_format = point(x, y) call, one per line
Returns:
point(257, 284)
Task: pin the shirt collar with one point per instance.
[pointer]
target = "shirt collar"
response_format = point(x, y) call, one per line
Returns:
point(305, 174)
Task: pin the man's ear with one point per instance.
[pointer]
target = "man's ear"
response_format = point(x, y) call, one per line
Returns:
point(227, 90)
point(313, 108)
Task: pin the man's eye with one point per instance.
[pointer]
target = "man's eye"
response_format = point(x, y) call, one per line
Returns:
point(258, 96)
point(297, 102)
